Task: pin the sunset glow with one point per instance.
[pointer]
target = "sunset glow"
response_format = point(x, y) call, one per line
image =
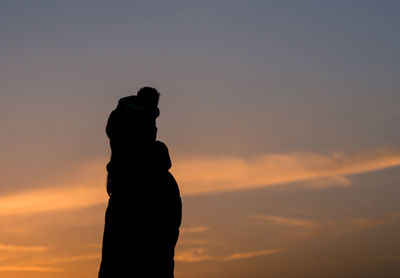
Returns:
point(281, 119)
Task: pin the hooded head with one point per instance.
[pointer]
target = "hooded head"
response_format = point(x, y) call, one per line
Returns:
point(149, 97)
point(134, 119)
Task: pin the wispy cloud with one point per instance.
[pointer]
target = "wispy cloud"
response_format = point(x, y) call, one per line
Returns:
point(202, 254)
point(330, 227)
point(28, 269)
point(354, 224)
point(43, 263)
point(22, 248)
point(184, 241)
point(215, 174)
point(286, 221)
point(86, 189)
point(208, 175)
point(61, 260)
point(51, 199)
point(194, 230)
point(192, 255)
point(248, 255)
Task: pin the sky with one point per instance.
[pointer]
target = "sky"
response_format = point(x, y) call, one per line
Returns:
point(281, 119)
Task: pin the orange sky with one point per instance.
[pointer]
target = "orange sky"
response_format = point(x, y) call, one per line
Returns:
point(281, 118)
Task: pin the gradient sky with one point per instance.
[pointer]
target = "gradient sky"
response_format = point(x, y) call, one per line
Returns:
point(281, 118)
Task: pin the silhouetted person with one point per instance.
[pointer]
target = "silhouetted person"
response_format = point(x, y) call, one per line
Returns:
point(144, 209)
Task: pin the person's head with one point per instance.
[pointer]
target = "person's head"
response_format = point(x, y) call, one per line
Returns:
point(134, 119)
point(149, 96)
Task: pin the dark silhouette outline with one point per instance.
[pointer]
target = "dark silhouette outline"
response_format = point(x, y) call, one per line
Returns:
point(144, 210)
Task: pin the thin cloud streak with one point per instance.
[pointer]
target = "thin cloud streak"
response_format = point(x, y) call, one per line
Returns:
point(28, 269)
point(22, 248)
point(45, 263)
point(193, 255)
point(207, 175)
point(194, 230)
point(286, 221)
point(218, 174)
point(62, 260)
point(330, 227)
point(199, 242)
point(248, 255)
point(51, 199)
point(85, 190)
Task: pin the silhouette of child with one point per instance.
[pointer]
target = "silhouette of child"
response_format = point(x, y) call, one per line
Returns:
point(144, 209)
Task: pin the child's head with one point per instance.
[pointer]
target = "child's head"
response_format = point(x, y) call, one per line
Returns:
point(149, 96)
point(134, 119)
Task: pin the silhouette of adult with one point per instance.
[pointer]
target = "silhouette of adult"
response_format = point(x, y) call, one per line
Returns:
point(144, 210)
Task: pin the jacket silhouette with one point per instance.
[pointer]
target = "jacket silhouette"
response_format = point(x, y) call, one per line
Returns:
point(144, 210)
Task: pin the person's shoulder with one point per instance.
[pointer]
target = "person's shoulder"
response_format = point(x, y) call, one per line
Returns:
point(163, 154)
